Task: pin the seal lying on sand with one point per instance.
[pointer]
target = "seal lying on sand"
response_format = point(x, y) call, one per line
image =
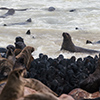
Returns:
point(21, 23)
point(10, 12)
point(69, 45)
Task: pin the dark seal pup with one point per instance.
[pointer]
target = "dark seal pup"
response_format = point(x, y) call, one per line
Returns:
point(69, 45)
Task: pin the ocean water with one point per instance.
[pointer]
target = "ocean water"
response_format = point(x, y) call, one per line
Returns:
point(47, 27)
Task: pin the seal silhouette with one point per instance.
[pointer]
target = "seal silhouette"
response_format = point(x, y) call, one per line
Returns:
point(10, 12)
point(69, 45)
point(20, 23)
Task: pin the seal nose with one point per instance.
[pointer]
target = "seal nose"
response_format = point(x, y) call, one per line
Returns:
point(64, 34)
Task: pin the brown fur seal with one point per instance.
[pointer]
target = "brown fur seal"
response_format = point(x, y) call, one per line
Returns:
point(14, 87)
point(6, 64)
point(69, 45)
point(24, 56)
point(40, 96)
point(38, 86)
point(80, 94)
point(92, 82)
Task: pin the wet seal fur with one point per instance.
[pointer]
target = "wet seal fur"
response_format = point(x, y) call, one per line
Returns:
point(14, 87)
point(69, 45)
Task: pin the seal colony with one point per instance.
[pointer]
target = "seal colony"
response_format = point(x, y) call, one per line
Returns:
point(26, 78)
point(69, 45)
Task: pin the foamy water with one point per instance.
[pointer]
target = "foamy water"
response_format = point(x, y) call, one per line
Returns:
point(47, 27)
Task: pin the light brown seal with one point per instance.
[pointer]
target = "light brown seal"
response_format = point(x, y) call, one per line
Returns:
point(14, 87)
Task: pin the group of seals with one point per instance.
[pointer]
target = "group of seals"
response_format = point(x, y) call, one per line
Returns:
point(69, 45)
point(92, 83)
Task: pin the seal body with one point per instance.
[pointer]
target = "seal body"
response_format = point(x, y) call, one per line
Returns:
point(14, 87)
point(69, 45)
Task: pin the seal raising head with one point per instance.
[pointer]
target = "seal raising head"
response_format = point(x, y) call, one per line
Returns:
point(69, 45)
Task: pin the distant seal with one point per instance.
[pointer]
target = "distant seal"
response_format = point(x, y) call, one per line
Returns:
point(20, 23)
point(69, 45)
point(51, 9)
point(28, 32)
point(10, 12)
point(90, 42)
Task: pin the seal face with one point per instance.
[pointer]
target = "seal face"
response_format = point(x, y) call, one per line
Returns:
point(69, 45)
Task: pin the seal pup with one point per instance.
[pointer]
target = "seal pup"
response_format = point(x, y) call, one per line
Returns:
point(3, 50)
point(10, 12)
point(19, 45)
point(14, 87)
point(92, 82)
point(69, 45)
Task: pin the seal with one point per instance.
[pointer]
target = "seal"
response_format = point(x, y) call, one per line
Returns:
point(21, 23)
point(38, 86)
point(24, 57)
point(69, 45)
point(14, 87)
point(10, 12)
point(40, 96)
point(90, 42)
